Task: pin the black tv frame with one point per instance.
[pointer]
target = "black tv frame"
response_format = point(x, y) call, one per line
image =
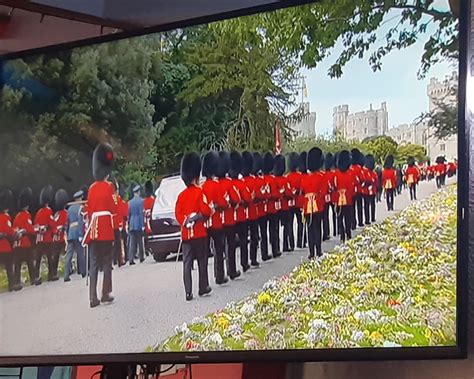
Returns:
point(465, 210)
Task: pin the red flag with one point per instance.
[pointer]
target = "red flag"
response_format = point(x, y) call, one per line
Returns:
point(277, 138)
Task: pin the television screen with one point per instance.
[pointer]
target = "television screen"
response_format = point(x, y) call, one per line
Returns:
point(284, 183)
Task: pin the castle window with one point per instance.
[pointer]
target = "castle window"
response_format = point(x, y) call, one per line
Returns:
point(365, 131)
point(442, 147)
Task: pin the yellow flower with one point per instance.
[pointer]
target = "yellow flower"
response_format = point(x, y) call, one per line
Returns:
point(264, 298)
point(376, 336)
point(222, 322)
point(428, 333)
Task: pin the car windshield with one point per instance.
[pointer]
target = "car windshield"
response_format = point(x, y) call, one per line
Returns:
point(166, 195)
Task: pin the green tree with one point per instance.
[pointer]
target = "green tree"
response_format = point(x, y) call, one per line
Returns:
point(380, 147)
point(410, 150)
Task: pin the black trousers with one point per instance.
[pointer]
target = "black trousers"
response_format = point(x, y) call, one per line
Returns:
point(329, 208)
point(301, 236)
point(379, 195)
point(389, 193)
point(218, 240)
point(52, 256)
point(58, 249)
point(263, 224)
point(20, 255)
point(369, 208)
point(6, 260)
point(254, 237)
point(344, 219)
point(413, 191)
point(274, 223)
point(117, 252)
point(314, 222)
point(230, 246)
point(195, 249)
point(100, 257)
point(243, 233)
point(358, 211)
point(288, 233)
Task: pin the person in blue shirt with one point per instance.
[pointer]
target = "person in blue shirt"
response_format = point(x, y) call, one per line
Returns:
point(75, 233)
point(136, 226)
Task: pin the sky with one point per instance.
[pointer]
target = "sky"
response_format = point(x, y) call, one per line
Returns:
point(396, 84)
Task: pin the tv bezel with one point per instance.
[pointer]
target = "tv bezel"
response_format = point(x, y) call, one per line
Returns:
point(304, 355)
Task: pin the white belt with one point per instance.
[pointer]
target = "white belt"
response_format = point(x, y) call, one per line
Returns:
point(93, 222)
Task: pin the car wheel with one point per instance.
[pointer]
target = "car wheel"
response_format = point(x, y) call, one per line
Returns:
point(160, 257)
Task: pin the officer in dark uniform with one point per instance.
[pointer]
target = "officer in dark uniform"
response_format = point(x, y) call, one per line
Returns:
point(99, 236)
point(75, 233)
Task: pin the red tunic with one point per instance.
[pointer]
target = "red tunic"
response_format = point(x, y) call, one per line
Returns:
point(242, 211)
point(44, 224)
point(230, 193)
point(261, 195)
point(294, 178)
point(389, 178)
point(329, 178)
point(148, 203)
point(251, 183)
point(440, 169)
point(215, 197)
point(315, 189)
point(192, 200)
point(273, 194)
point(101, 208)
point(60, 223)
point(6, 228)
point(412, 175)
point(23, 222)
point(344, 188)
point(356, 171)
point(285, 191)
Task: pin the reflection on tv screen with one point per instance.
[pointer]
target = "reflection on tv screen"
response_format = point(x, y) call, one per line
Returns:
point(286, 180)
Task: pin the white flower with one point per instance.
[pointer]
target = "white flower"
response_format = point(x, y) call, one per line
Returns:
point(390, 344)
point(357, 336)
point(183, 328)
point(250, 345)
point(216, 339)
point(247, 309)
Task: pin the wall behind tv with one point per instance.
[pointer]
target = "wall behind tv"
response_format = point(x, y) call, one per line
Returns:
point(452, 369)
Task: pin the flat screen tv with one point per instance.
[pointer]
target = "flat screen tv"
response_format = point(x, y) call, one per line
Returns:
point(284, 185)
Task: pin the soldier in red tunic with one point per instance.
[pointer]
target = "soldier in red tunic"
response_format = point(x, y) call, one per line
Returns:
point(389, 180)
point(44, 226)
point(118, 255)
point(214, 194)
point(356, 169)
point(369, 190)
point(344, 185)
point(261, 197)
point(412, 177)
point(192, 212)
point(329, 174)
point(242, 210)
point(230, 217)
point(6, 235)
point(302, 234)
point(286, 195)
point(250, 181)
point(294, 179)
point(440, 171)
point(24, 235)
point(99, 236)
point(272, 206)
point(61, 199)
point(148, 203)
point(315, 189)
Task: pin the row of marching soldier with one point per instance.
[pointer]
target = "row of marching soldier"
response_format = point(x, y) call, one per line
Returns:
point(250, 198)
point(110, 226)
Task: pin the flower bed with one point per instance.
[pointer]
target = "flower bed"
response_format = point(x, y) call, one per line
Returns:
point(393, 285)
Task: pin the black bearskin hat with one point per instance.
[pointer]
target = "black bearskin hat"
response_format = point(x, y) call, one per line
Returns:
point(293, 161)
point(389, 160)
point(280, 165)
point(6, 199)
point(268, 163)
point(46, 195)
point(149, 188)
point(210, 164)
point(411, 161)
point(303, 158)
point(102, 161)
point(440, 159)
point(61, 199)
point(357, 157)
point(328, 162)
point(314, 160)
point(25, 198)
point(224, 164)
point(257, 163)
point(343, 160)
point(190, 167)
point(370, 162)
point(235, 164)
point(247, 163)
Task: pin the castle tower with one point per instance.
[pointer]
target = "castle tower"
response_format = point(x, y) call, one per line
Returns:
point(340, 115)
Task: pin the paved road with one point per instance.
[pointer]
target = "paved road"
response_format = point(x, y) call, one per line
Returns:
point(56, 319)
